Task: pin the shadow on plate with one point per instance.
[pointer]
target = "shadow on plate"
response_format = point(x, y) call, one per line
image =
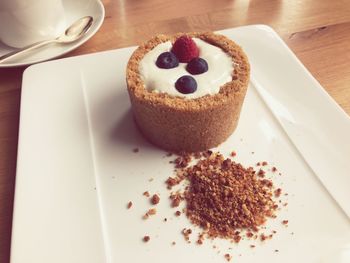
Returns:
point(114, 117)
point(126, 132)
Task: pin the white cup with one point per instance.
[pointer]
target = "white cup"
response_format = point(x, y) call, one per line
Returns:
point(23, 22)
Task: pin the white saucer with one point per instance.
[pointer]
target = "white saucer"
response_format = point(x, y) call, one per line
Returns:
point(74, 9)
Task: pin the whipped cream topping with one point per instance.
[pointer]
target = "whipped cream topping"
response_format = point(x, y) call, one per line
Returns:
point(220, 69)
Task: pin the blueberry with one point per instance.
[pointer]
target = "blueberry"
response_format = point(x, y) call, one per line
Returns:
point(186, 84)
point(197, 66)
point(167, 60)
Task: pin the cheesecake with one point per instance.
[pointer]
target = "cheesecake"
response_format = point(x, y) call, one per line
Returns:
point(186, 90)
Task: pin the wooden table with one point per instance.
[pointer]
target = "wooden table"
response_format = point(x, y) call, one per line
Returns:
point(318, 31)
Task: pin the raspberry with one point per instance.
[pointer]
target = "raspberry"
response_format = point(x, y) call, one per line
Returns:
point(185, 49)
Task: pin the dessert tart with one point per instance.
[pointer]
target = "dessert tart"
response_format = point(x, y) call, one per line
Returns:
point(187, 90)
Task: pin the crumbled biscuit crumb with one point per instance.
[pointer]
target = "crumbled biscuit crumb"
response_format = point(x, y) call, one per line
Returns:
point(285, 222)
point(278, 192)
point(152, 211)
point(149, 213)
point(228, 257)
point(249, 234)
point(237, 238)
point(200, 239)
point(186, 233)
point(175, 199)
point(183, 160)
point(261, 173)
point(129, 205)
point(263, 237)
point(207, 154)
point(155, 199)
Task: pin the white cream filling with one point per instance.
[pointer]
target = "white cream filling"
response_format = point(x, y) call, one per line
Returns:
point(220, 69)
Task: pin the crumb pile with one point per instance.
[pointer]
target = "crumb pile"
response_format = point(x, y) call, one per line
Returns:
point(223, 197)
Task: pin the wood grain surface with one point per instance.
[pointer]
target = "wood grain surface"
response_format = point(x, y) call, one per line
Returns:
point(318, 31)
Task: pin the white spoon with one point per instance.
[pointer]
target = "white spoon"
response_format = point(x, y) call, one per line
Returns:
point(71, 34)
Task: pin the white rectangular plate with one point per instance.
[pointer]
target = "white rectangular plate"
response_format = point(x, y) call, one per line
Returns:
point(76, 170)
